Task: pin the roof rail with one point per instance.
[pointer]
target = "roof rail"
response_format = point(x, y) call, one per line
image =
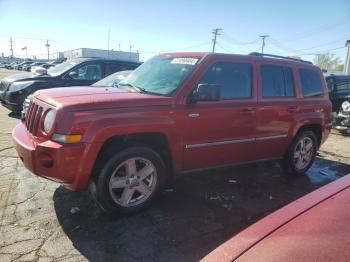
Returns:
point(278, 56)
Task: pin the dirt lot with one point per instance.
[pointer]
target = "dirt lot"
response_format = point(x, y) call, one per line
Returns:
point(185, 224)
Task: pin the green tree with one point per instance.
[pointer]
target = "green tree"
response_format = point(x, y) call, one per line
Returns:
point(328, 61)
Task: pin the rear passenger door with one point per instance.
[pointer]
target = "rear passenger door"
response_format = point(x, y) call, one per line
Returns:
point(277, 108)
point(222, 132)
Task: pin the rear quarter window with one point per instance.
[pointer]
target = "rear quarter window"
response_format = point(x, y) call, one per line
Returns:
point(311, 83)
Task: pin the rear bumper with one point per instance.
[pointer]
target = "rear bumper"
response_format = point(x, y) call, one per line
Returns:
point(67, 164)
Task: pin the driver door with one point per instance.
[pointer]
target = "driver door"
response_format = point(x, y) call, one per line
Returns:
point(84, 75)
point(219, 133)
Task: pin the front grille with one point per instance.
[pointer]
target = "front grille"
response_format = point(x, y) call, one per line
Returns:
point(33, 118)
point(3, 85)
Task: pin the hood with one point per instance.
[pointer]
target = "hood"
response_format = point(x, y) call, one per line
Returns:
point(25, 77)
point(87, 97)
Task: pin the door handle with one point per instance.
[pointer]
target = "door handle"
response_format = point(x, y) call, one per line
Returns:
point(193, 115)
point(247, 111)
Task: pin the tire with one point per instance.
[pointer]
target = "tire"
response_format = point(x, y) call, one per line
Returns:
point(124, 187)
point(301, 154)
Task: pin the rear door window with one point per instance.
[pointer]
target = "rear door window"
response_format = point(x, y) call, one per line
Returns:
point(116, 67)
point(277, 81)
point(311, 83)
point(88, 72)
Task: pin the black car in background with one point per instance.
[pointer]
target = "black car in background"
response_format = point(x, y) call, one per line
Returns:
point(77, 72)
point(28, 67)
point(20, 65)
point(339, 94)
point(339, 90)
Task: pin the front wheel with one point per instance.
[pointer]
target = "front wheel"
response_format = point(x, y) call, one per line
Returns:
point(301, 154)
point(130, 181)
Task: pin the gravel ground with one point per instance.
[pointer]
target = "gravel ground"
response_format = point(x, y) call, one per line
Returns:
point(42, 221)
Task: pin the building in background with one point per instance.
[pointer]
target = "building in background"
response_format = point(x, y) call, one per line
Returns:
point(347, 59)
point(109, 54)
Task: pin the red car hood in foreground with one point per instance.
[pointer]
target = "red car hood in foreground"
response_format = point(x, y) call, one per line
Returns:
point(315, 227)
point(98, 97)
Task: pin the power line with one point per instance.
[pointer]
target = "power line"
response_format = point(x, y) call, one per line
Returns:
point(314, 31)
point(282, 46)
point(216, 33)
point(325, 51)
point(236, 41)
point(180, 49)
point(224, 48)
point(321, 45)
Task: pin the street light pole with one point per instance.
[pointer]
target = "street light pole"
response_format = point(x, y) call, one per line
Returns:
point(48, 49)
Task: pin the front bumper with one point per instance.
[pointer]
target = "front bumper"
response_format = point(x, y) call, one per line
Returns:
point(9, 100)
point(342, 122)
point(66, 164)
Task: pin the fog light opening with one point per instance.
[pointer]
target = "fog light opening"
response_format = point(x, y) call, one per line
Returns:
point(45, 160)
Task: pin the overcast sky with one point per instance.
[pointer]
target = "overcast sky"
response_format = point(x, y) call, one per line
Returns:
point(296, 27)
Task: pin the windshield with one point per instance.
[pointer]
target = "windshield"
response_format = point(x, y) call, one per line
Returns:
point(161, 75)
point(60, 68)
point(113, 79)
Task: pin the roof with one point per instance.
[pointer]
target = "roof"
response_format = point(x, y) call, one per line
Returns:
point(265, 57)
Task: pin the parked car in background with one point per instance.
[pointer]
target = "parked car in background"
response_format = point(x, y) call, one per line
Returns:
point(12, 65)
point(312, 228)
point(82, 71)
point(47, 65)
point(339, 94)
point(112, 80)
point(28, 67)
point(176, 113)
point(109, 81)
point(20, 65)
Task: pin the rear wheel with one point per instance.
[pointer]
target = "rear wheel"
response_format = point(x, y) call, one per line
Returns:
point(302, 152)
point(130, 181)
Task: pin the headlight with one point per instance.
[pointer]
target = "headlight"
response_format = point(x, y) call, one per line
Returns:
point(346, 106)
point(49, 120)
point(16, 86)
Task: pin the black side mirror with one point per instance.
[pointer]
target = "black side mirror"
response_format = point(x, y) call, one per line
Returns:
point(73, 74)
point(206, 92)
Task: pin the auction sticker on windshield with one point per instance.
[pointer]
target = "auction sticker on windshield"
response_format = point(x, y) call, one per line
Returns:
point(184, 60)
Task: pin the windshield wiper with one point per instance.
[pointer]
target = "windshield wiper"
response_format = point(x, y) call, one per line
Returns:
point(138, 89)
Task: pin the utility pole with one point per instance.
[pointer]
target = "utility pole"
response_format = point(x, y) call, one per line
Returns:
point(130, 51)
point(109, 33)
point(11, 46)
point(216, 33)
point(263, 43)
point(48, 49)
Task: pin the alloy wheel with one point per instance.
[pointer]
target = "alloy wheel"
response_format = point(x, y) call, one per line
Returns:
point(133, 182)
point(303, 153)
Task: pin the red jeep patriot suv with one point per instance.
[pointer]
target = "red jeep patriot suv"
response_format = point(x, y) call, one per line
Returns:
point(174, 114)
